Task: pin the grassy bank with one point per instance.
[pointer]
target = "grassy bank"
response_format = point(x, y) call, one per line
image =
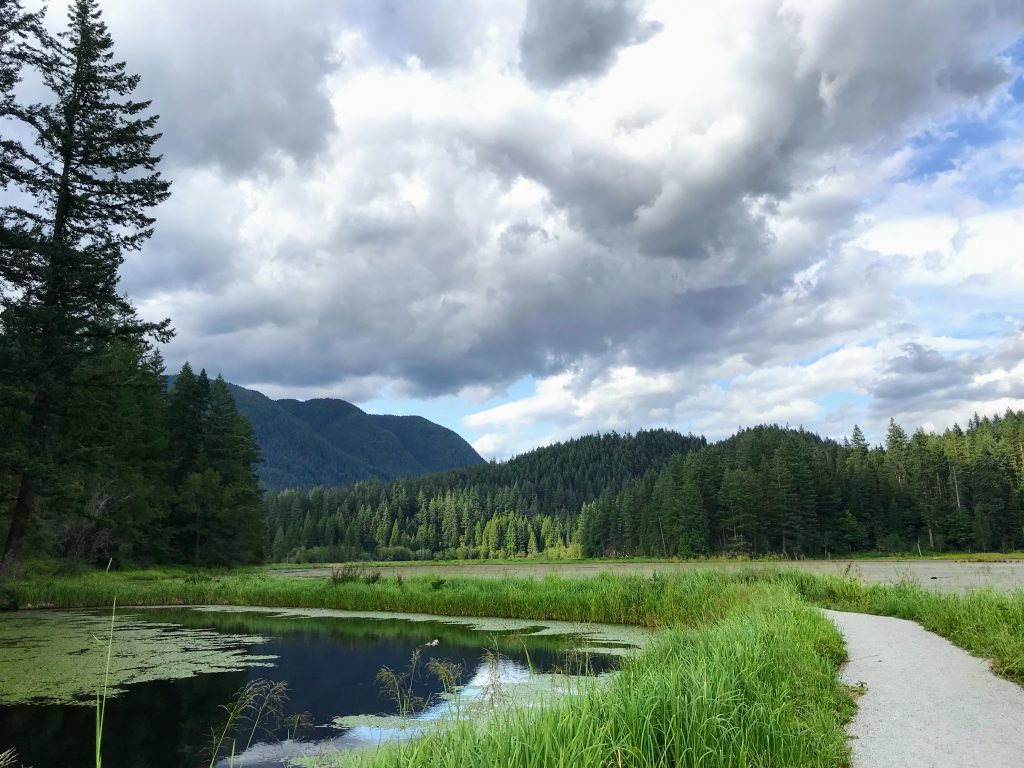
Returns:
point(684, 600)
point(746, 674)
point(986, 622)
point(757, 688)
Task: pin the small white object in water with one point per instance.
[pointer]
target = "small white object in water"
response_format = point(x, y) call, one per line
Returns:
point(433, 643)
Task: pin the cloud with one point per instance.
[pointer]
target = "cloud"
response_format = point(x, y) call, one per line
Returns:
point(649, 207)
point(565, 40)
point(239, 85)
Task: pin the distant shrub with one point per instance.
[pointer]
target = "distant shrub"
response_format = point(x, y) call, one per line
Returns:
point(348, 574)
point(394, 553)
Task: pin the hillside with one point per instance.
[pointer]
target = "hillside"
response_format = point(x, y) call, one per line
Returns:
point(765, 490)
point(469, 512)
point(331, 442)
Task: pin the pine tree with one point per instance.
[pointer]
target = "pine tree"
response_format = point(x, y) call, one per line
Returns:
point(90, 174)
point(20, 33)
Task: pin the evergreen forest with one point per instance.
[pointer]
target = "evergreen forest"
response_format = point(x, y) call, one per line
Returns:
point(768, 490)
point(98, 462)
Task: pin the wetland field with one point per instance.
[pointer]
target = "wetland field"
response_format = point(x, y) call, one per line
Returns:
point(722, 666)
point(944, 574)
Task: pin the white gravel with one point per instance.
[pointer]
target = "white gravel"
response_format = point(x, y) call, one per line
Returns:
point(928, 703)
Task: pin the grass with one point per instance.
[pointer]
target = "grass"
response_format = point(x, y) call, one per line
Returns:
point(744, 675)
point(757, 688)
point(690, 599)
point(965, 557)
point(986, 622)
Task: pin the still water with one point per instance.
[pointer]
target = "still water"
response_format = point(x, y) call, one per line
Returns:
point(173, 671)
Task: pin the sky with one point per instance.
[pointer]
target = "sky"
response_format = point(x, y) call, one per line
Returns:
point(533, 219)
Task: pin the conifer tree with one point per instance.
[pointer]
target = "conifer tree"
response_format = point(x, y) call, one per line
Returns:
point(83, 188)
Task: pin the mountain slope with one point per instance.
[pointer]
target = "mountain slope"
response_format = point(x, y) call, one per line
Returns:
point(331, 442)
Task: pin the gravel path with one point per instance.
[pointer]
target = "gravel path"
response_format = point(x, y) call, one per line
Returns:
point(928, 703)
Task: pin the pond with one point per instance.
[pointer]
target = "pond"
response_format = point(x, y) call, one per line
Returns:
point(174, 672)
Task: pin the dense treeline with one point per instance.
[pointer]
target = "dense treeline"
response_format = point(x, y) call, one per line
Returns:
point(142, 474)
point(524, 506)
point(767, 490)
point(774, 490)
point(97, 461)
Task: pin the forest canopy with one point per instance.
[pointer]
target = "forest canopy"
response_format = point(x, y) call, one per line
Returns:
point(768, 490)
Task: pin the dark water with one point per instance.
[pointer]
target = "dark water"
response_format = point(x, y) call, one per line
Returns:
point(329, 663)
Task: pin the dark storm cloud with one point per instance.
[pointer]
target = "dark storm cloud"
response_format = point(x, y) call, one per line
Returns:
point(565, 40)
point(440, 33)
point(922, 371)
point(241, 84)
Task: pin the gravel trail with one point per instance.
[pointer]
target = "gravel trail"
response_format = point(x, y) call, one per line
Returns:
point(928, 703)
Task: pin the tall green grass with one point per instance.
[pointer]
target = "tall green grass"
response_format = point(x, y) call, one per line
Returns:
point(757, 688)
point(745, 675)
point(986, 622)
point(688, 599)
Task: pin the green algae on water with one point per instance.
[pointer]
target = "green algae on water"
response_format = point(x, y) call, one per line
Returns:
point(58, 657)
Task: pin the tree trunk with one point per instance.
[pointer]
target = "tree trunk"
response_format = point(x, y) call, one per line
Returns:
point(25, 503)
point(956, 485)
point(19, 524)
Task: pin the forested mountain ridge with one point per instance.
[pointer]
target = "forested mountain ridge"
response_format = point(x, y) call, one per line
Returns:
point(520, 506)
point(765, 490)
point(332, 442)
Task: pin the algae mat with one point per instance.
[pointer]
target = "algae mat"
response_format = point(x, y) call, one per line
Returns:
point(60, 657)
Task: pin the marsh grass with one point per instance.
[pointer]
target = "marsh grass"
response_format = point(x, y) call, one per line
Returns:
point(744, 675)
point(757, 688)
point(398, 686)
point(985, 621)
point(101, 696)
point(258, 705)
point(687, 599)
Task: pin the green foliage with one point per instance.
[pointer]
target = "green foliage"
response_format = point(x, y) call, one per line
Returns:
point(746, 675)
point(526, 506)
point(757, 688)
point(216, 515)
point(80, 186)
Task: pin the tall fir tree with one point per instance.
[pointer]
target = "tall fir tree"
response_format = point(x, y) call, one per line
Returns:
point(83, 188)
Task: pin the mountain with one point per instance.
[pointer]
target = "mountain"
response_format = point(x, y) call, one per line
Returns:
point(331, 442)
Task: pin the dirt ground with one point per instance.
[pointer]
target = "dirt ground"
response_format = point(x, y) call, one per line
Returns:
point(946, 575)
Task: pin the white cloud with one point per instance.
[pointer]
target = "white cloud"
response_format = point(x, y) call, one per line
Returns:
point(375, 199)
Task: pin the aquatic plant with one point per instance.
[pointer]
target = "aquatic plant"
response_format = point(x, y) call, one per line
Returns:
point(258, 704)
point(101, 696)
point(398, 686)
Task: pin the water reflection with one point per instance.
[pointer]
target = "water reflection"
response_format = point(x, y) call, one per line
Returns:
point(329, 663)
